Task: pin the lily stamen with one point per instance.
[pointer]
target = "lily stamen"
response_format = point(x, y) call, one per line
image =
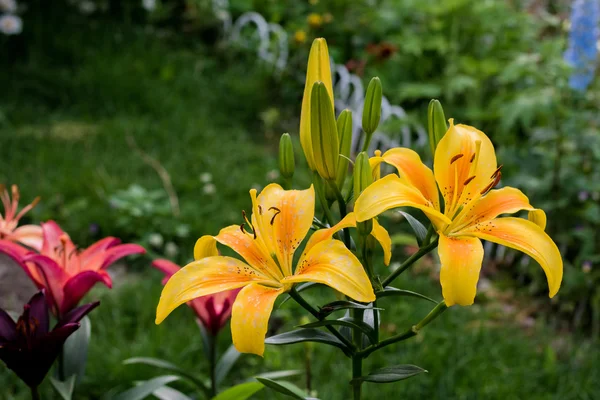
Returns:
point(277, 211)
point(497, 171)
point(456, 157)
point(465, 183)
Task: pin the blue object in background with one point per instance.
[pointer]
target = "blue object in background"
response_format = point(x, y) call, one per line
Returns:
point(582, 52)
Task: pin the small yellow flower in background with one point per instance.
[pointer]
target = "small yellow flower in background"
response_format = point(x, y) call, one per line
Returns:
point(466, 171)
point(267, 241)
point(327, 18)
point(314, 20)
point(300, 36)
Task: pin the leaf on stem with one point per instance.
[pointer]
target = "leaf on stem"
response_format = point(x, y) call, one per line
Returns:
point(306, 335)
point(392, 291)
point(64, 388)
point(345, 321)
point(391, 374)
point(146, 388)
point(417, 227)
point(156, 362)
point(342, 305)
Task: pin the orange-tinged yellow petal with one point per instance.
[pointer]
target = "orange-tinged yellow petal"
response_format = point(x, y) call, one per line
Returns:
point(250, 249)
point(525, 236)
point(538, 217)
point(462, 174)
point(203, 277)
point(391, 192)
point(411, 168)
point(282, 219)
point(384, 239)
point(349, 221)
point(331, 263)
point(507, 200)
point(250, 317)
point(461, 259)
point(318, 70)
point(206, 246)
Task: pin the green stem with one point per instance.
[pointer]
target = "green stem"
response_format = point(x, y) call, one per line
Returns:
point(61, 364)
point(367, 142)
point(356, 358)
point(300, 300)
point(413, 331)
point(427, 238)
point(321, 195)
point(35, 394)
point(410, 261)
point(342, 205)
point(212, 363)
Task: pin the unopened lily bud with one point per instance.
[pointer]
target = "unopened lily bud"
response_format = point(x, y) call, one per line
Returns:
point(436, 124)
point(344, 129)
point(362, 179)
point(323, 131)
point(319, 70)
point(372, 107)
point(286, 156)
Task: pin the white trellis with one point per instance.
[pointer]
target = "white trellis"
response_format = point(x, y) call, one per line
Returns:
point(271, 42)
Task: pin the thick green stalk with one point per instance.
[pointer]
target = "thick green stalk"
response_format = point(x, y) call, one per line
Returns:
point(212, 363)
point(343, 212)
point(300, 300)
point(410, 261)
point(413, 331)
point(356, 358)
point(321, 195)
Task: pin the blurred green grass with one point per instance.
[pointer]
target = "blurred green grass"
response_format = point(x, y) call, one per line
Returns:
point(197, 114)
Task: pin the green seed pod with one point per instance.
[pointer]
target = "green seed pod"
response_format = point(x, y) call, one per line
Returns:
point(436, 124)
point(344, 128)
point(323, 132)
point(286, 156)
point(372, 107)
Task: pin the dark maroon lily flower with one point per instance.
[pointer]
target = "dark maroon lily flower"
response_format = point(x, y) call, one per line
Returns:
point(213, 310)
point(28, 347)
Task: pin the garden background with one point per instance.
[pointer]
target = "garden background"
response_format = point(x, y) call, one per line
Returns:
point(150, 121)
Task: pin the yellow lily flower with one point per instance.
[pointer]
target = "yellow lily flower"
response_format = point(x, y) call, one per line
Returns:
point(465, 170)
point(279, 222)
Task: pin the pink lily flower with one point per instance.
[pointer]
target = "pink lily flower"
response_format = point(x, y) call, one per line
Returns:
point(213, 310)
point(29, 235)
point(66, 273)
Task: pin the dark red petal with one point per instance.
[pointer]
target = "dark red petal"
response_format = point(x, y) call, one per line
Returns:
point(39, 312)
point(115, 253)
point(8, 331)
point(79, 285)
point(77, 314)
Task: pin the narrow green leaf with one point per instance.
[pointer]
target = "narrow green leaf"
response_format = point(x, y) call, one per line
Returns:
point(75, 350)
point(279, 374)
point(305, 335)
point(226, 362)
point(392, 374)
point(168, 393)
point(345, 321)
point(285, 387)
point(342, 305)
point(416, 225)
point(239, 392)
point(392, 291)
point(146, 388)
point(64, 388)
point(300, 288)
point(156, 362)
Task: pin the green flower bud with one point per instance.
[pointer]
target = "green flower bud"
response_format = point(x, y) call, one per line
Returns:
point(362, 179)
point(286, 156)
point(436, 124)
point(323, 132)
point(344, 128)
point(372, 107)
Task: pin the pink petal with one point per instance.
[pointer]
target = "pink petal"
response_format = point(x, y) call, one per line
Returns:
point(79, 285)
point(29, 235)
point(52, 233)
point(18, 254)
point(52, 277)
point(115, 253)
point(166, 267)
point(98, 247)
